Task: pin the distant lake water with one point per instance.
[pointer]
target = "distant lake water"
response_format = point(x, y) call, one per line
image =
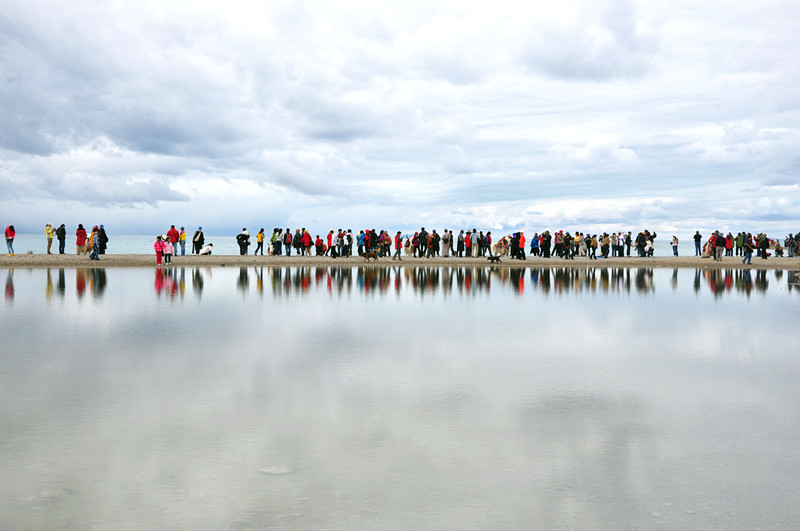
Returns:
point(399, 398)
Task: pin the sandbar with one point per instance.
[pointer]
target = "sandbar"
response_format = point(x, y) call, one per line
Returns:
point(149, 260)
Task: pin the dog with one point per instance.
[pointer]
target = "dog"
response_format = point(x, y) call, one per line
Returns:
point(371, 254)
point(493, 259)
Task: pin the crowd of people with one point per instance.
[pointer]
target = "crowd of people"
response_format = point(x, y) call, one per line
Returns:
point(429, 244)
point(474, 243)
point(745, 244)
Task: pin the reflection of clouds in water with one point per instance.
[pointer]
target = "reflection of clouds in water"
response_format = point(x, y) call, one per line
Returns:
point(571, 411)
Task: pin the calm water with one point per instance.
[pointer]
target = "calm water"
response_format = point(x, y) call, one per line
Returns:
point(367, 398)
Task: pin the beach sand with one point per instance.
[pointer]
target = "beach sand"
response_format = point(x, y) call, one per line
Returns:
point(149, 260)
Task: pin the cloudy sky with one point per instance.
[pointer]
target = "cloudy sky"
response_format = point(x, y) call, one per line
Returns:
point(597, 114)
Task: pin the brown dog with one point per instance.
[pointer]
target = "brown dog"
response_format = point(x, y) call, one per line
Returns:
point(368, 255)
point(493, 259)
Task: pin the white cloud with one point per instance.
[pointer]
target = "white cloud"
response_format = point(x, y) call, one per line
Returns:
point(604, 113)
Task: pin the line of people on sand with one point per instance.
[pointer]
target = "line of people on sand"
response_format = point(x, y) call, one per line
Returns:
point(423, 244)
point(92, 243)
point(474, 243)
point(745, 244)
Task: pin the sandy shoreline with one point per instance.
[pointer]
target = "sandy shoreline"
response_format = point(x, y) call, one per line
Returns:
point(140, 260)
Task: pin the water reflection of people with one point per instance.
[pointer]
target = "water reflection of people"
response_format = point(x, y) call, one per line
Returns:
point(721, 280)
point(466, 280)
point(61, 286)
point(197, 281)
point(97, 281)
point(793, 280)
point(10, 284)
point(80, 282)
point(166, 282)
point(48, 290)
point(243, 281)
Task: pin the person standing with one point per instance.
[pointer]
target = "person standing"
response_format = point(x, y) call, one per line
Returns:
point(423, 242)
point(198, 240)
point(94, 243)
point(719, 246)
point(287, 241)
point(674, 245)
point(331, 244)
point(763, 245)
point(259, 242)
point(747, 249)
point(360, 239)
point(49, 231)
point(243, 239)
point(398, 244)
point(169, 250)
point(159, 248)
point(446, 241)
point(10, 233)
point(173, 235)
point(739, 241)
point(605, 241)
point(181, 238)
point(80, 240)
point(277, 241)
point(103, 239)
point(297, 242)
point(697, 240)
point(547, 243)
point(61, 234)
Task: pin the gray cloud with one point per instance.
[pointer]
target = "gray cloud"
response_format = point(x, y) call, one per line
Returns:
point(606, 45)
point(570, 113)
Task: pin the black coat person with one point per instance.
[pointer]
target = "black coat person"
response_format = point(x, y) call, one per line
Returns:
point(103, 240)
point(61, 234)
point(243, 239)
point(198, 240)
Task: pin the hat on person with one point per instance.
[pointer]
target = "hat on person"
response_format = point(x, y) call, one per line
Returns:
point(101, 225)
point(164, 237)
point(199, 228)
